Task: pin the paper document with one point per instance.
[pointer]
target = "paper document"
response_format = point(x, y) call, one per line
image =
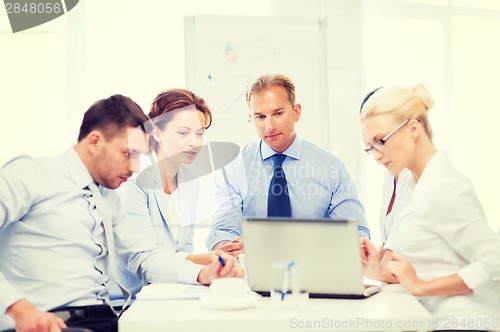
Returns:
point(166, 291)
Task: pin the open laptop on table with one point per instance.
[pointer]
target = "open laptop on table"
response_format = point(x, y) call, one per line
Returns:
point(329, 248)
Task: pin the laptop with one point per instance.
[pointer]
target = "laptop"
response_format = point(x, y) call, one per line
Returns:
point(328, 247)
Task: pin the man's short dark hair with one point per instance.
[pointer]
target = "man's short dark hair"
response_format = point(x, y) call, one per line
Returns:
point(111, 116)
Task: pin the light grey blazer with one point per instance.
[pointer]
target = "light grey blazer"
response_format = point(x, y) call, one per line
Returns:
point(143, 198)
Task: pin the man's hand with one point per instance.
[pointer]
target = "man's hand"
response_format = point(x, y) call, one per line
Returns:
point(214, 270)
point(233, 247)
point(30, 319)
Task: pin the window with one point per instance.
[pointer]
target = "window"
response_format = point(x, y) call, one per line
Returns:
point(33, 88)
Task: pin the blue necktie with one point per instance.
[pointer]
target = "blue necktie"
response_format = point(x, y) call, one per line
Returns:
point(278, 201)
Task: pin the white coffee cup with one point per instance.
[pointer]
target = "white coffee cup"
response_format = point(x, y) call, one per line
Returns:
point(228, 289)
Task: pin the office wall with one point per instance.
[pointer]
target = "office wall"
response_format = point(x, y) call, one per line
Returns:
point(33, 93)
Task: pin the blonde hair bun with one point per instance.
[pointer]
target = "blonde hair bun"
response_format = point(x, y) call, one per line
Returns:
point(421, 91)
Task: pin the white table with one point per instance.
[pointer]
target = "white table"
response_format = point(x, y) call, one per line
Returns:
point(390, 310)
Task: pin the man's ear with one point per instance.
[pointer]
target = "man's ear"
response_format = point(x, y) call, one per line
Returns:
point(94, 139)
point(297, 109)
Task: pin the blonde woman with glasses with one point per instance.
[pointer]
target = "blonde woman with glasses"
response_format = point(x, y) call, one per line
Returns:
point(448, 255)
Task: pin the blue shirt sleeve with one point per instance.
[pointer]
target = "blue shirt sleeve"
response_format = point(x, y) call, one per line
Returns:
point(344, 202)
point(227, 208)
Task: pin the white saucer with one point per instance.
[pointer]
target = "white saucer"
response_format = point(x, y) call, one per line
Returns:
point(250, 300)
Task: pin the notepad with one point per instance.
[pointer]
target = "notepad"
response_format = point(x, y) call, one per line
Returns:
point(171, 291)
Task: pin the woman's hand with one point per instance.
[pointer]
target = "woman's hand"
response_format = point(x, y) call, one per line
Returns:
point(402, 269)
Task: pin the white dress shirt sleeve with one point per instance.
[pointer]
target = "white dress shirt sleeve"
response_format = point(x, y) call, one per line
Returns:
point(16, 198)
point(462, 223)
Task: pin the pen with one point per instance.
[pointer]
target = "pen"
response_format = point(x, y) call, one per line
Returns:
point(286, 276)
point(221, 261)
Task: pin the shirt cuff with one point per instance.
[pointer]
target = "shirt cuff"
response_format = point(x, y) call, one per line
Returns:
point(473, 275)
point(363, 232)
point(8, 298)
point(188, 272)
point(219, 236)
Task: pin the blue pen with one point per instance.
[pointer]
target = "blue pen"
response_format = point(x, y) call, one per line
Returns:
point(286, 277)
point(221, 261)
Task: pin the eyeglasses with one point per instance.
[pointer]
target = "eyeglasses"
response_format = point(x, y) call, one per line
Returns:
point(379, 145)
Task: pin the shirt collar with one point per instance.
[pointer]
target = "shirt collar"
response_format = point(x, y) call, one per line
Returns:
point(293, 151)
point(76, 168)
point(432, 173)
point(405, 177)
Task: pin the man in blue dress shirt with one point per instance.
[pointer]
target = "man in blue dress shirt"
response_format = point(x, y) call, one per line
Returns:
point(318, 184)
point(53, 246)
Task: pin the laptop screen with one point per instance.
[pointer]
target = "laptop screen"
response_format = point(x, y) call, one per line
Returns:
point(329, 249)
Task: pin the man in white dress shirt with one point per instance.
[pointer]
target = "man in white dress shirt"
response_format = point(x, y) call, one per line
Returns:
point(53, 247)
